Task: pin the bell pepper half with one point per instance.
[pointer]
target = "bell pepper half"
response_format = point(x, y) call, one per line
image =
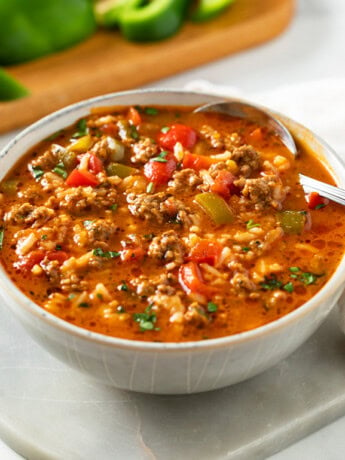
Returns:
point(10, 88)
point(208, 9)
point(30, 29)
point(152, 21)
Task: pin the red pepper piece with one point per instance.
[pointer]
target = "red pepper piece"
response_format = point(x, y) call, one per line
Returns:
point(80, 177)
point(178, 133)
point(197, 162)
point(206, 251)
point(191, 280)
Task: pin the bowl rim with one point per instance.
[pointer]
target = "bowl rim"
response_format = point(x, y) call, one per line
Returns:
point(7, 285)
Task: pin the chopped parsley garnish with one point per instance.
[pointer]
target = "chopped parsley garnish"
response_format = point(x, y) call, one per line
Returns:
point(37, 172)
point(212, 307)
point(165, 129)
point(146, 320)
point(2, 233)
point(245, 249)
point(44, 237)
point(99, 295)
point(294, 269)
point(133, 132)
point(123, 287)
point(320, 206)
point(71, 296)
point(58, 247)
point(151, 111)
point(150, 187)
point(251, 224)
point(161, 157)
point(84, 305)
point(60, 170)
point(82, 129)
point(308, 278)
point(106, 254)
point(113, 207)
point(288, 287)
point(271, 283)
point(54, 135)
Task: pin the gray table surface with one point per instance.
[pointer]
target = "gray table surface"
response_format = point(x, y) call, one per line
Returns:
point(312, 48)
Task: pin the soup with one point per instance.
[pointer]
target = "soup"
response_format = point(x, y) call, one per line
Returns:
point(161, 224)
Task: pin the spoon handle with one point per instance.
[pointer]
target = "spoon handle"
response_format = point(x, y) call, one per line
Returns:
point(327, 191)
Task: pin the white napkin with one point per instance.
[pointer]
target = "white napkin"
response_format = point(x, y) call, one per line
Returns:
point(319, 105)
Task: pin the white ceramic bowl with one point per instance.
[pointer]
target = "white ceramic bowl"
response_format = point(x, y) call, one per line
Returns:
point(167, 368)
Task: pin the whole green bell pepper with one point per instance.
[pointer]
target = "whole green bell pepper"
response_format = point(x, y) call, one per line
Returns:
point(153, 21)
point(33, 28)
point(10, 88)
point(209, 9)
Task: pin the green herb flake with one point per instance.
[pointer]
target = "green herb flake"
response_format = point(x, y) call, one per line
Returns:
point(251, 224)
point(37, 172)
point(113, 207)
point(271, 283)
point(149, 236)
point(165, 129)
point(212, 307)
point(99, 295)
point(288, 287)
point(82, 129)
point(150, 187)
point(151, 111)
point(133, 132)
point(245, 249)
point(71, 296)
point(146, 320)
point(308, 278)
point(106, 254)
point(58, 247)
point(123, 287)
point(2, 234)
point(294, 269)
point(84, 305)
point(320, 206)
point(161, 157)
point(60, 170)
point(54, 135)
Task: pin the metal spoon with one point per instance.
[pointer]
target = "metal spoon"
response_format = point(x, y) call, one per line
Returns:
point(255, 114)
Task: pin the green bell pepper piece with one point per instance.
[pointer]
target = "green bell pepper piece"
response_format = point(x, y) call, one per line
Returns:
point(33, 28)
point(108, 12)
point(118, 169)
point(209, 9)
point(10, 88)
point(215, 207)
point(152, 21)
point(292, 222)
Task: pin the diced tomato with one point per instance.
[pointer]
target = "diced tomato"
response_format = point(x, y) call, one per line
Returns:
point(132, 254)
point(206, 251)
point(33, 258)
point(257, 135)
point(134, 116)
point(95, 164)
point(191, 280)
point(81, 177)
point(109, 128)
point(60, 256)
point(197, 162)
point(160, 172)
point(222, 184)
point(316, 200)
point(177, 133)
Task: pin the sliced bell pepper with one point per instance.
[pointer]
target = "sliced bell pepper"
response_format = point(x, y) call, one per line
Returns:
point(293, 222)
point(30, 29)
point(118, 169)
point(81, 178)
point(151, 21)
point(10, 88)
point(81, 145)
point(215, 207)
point(209, 9)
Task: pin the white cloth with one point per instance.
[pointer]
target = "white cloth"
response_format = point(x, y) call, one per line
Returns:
point(319, 105)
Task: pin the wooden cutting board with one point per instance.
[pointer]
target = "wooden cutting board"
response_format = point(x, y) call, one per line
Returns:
point(106, 62)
